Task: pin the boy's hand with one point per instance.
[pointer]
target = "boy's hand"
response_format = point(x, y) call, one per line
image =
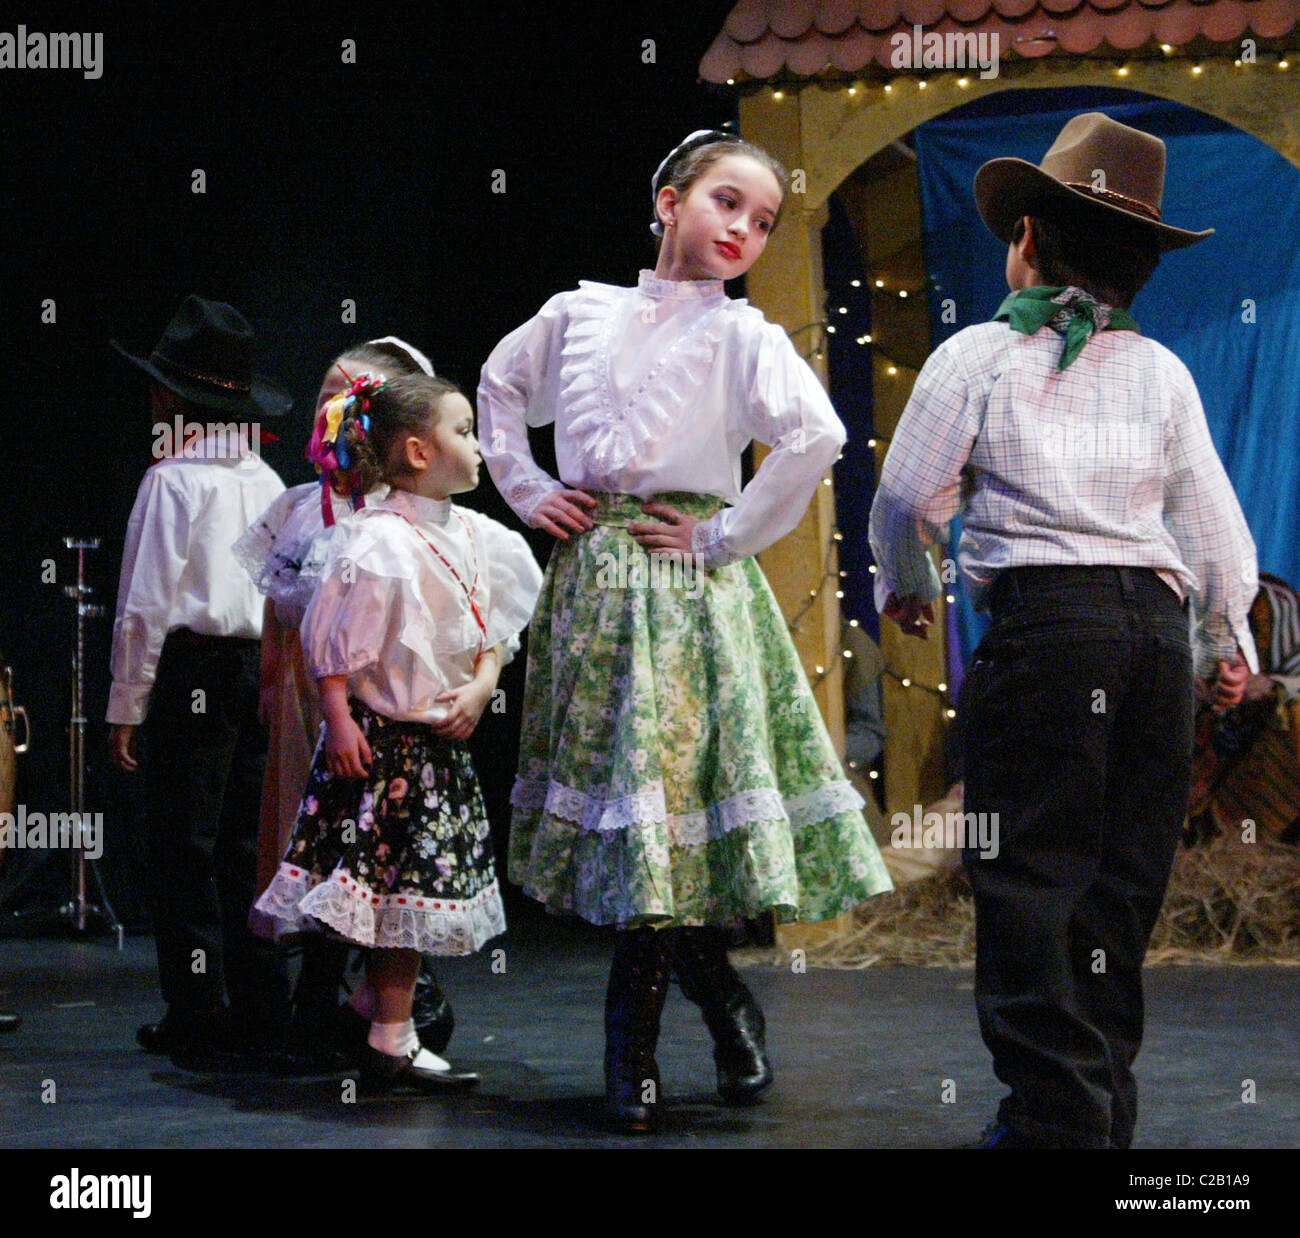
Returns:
point(561, 507)
point(1230, 684)
point(121, 747)
point(911, 614)
point(671, 537)
point(465, 706)
point(346, 752)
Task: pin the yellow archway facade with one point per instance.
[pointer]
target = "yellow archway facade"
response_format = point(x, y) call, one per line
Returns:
point(837, 131)
point(825, 131)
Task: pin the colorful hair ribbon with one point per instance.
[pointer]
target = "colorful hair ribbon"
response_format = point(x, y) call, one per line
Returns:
point(328, 447)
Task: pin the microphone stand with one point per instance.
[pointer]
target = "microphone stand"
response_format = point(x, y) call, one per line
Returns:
point(79, 910)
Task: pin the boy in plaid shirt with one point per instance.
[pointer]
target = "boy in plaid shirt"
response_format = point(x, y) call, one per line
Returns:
point(1096, 515)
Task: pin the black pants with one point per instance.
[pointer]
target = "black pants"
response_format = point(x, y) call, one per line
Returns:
point(206, 753)
point(1078, 722)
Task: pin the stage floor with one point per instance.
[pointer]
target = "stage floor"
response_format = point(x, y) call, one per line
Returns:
point(863, 1060)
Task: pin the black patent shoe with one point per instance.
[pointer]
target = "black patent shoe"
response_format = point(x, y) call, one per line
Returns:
point(175, 1033)
point(431, 1011)
point(739, 1051)
point(10, 1022)
point(384, 1072)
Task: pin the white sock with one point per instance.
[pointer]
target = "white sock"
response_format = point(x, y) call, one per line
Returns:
point(365, 1001)
point(399, 1040)
point(395, 1039)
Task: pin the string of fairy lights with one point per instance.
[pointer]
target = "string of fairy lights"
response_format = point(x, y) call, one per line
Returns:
point(881, 284)
point(1121, 67)
point(831, 573)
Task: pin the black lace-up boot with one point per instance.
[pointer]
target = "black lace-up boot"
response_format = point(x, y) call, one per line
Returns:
point(634, 1001)
point(733, 1017)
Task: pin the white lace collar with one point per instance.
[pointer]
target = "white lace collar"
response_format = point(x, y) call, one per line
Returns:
point(680, 289)
point(432, 513)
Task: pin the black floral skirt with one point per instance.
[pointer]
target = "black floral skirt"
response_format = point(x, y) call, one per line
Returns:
point(401, 858)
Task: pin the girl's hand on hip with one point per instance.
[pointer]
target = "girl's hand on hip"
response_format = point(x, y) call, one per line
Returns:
point(671, 537)
point(561, 508)
point(346, 752)
point(911, 614)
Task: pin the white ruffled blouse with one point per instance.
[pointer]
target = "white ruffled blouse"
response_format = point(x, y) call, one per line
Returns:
point(660, 387)
point(390, 615)
point(285, 549)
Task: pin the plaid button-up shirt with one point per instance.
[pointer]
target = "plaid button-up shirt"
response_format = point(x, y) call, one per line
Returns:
point(1108, 462)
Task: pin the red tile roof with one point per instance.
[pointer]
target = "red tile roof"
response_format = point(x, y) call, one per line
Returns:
point(804, 38)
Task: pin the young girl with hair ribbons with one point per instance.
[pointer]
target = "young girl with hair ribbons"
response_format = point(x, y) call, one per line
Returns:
point(284, 551)
point(675, 775)
point(405, 635)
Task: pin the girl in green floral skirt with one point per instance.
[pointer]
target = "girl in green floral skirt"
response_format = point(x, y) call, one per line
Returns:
point(675, 774)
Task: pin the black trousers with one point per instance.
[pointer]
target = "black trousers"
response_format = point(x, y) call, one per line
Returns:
point(1078, 724)
point(205, 756)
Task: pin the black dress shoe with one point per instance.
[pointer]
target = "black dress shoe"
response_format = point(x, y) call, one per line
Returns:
point(169, 1034)
point(187, 1034)
point(10, 1022)
point(160, 1037)
point(383, 1072)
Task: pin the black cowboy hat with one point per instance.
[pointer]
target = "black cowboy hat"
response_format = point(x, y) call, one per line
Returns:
point(206, 356)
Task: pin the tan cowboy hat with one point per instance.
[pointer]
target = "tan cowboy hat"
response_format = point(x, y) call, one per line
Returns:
point(1096, 169)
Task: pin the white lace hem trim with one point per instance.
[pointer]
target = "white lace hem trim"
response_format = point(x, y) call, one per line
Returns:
point(294, 902)
point(689, 829)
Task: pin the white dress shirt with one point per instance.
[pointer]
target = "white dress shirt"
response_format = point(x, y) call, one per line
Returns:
point(1107, 462)
point(657, 388)
point(178, 568)
point(394, 618)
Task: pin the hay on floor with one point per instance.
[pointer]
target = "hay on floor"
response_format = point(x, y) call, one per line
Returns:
point(1228, 902)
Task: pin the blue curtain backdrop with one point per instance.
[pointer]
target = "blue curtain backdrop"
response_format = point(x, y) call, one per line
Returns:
point(852, 394)
point(1218, 177)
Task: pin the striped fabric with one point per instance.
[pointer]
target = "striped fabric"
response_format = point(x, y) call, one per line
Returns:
point(1282, 653)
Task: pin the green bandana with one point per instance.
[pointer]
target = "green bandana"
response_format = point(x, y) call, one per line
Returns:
point(1070, 312)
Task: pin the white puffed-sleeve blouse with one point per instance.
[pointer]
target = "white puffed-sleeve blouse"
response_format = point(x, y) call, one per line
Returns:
point(397, 620)
point(657, 388)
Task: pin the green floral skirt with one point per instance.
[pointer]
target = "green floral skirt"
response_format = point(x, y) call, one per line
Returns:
point(674, 766)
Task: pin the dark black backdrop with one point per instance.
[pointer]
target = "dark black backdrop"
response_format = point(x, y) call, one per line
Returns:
point(324, 181)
